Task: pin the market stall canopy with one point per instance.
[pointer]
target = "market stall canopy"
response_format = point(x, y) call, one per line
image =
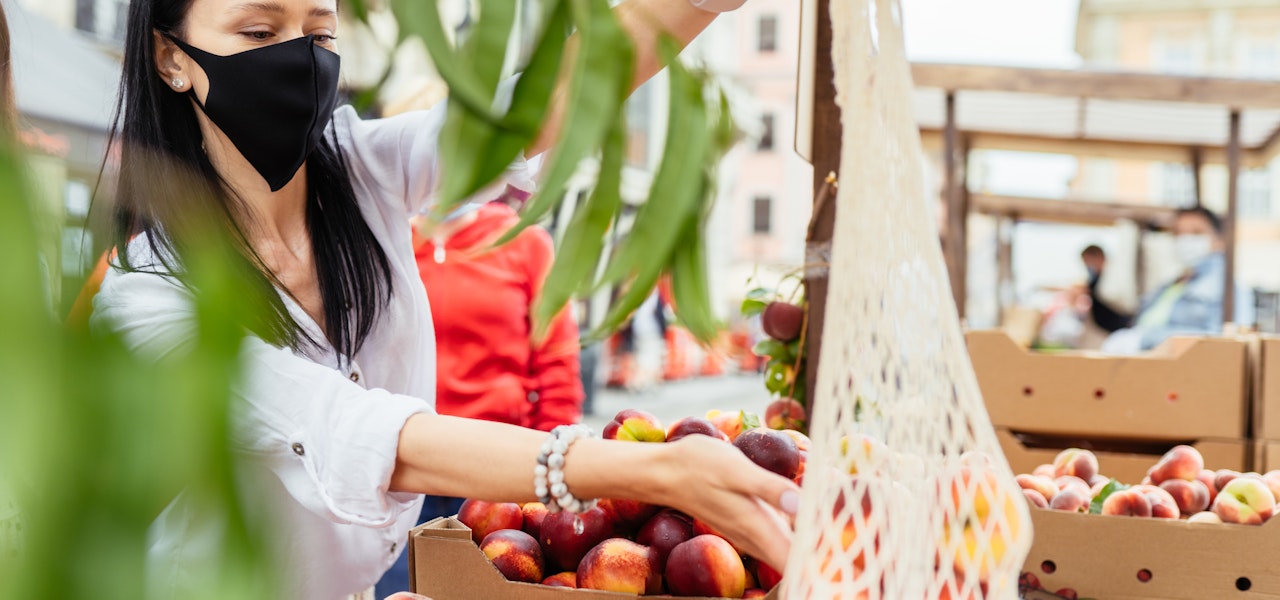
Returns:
point(60, 76)
point(1113, 114)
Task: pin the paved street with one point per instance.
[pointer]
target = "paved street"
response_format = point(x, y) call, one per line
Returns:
point(691, 397)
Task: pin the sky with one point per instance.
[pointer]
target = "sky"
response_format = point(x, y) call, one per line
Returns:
point(1011, 32)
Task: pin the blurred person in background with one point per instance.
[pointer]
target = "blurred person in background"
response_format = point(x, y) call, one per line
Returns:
point(228, 124)
point(1192, 303)
point(488, 366)
point(1104, 315)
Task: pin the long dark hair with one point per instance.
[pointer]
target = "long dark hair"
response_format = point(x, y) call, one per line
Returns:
point(160, 144)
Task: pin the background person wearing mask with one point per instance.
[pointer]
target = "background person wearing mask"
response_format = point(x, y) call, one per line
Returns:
point(1192, 303)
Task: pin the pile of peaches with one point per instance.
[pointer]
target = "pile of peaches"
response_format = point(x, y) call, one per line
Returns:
point(633, 547)
point(1178, 486)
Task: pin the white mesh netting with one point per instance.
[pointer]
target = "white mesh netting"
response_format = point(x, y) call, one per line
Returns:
point(908, 495)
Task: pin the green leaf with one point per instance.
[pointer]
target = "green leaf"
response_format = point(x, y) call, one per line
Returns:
point(578, 255)
point(421, 19)
point(676, 192)
point(689, 284)
point(1113, 486)
point(749, 420)
point(771, 348)
point(752, 307)
point(602, 74)
point(529, 104)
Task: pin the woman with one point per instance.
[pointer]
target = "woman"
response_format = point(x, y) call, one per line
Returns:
point(334, 409)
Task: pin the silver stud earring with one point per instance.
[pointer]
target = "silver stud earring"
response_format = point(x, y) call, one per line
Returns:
point(177, 84)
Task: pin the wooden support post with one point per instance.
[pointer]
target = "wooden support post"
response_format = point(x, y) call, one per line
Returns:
point(826, 141)
point(954, 158)
point(1004, 264)
point(1229, 224)
point(1197, 164)
point(1140, 261)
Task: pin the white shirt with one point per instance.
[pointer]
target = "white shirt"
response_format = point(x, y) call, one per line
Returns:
point(321, 440)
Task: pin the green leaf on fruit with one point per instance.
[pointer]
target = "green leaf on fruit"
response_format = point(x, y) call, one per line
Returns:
point(749, 421)
point(772, 349)
point(775, 378)
point(1113, 486)
point(752, 307)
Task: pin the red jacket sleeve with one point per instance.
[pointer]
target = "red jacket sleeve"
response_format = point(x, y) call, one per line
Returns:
point(553, 364)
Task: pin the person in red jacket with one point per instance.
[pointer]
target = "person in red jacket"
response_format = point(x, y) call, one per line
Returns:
point(487, 364)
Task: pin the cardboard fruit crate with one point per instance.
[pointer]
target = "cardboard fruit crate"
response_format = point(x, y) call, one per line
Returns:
point(1108, 557)
point(1266, 455)
point(1125, 460)
point(444, 564)
point(1186, 390)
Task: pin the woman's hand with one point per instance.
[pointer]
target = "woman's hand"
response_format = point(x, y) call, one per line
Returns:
point(717, 484)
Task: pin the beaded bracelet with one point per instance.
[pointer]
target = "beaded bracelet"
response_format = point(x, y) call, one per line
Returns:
point(548, 475)
point(718, 6)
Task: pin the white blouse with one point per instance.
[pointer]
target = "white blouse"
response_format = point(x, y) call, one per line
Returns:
point(321, 440)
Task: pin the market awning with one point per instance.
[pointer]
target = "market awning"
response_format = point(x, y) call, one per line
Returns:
point(60, 76)
point(1100, 113)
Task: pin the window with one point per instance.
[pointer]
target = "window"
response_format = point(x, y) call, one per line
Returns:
point(1258, 58)
point(1255, 194)
point(766, 136)
point(762, 215)
point(1177, 185)
point(768, 34)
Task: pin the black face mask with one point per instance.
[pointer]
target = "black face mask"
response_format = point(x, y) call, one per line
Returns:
point(273, 103)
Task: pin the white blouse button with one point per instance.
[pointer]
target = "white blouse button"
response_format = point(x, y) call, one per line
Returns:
point(298, 449)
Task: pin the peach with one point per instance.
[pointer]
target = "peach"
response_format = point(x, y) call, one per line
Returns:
point(663, 532)
point(802, 441)
point(515, 553)
point(1097, 488)
point(986, 516)
point(767, 576)
point(1191, 496)
point(563, 547)
point(1035, 498)
point(1071, 500)
point(1204, 517)
point(804, 459)
point(567, 579)
point(1077, 463)
point(1067, 481)
point(755, 593)
point(706, 566)
point(782, 321)
point(1180, 462)
point(1047, 488)
point(484, 518)
point(771, 450)
point(731, 424)
point(1044, 471)
point(1245, 500)
point(1208, 478)
point(1272, 479)
point(694, 425)
point(1222, 477)
point(784, 413)
point(1130, 503)
point(1096, 479)
point(1163, 504)
point(534, 514)
point(862, 453)
point(634, 425)
point(627, 515)
point(619, 565)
